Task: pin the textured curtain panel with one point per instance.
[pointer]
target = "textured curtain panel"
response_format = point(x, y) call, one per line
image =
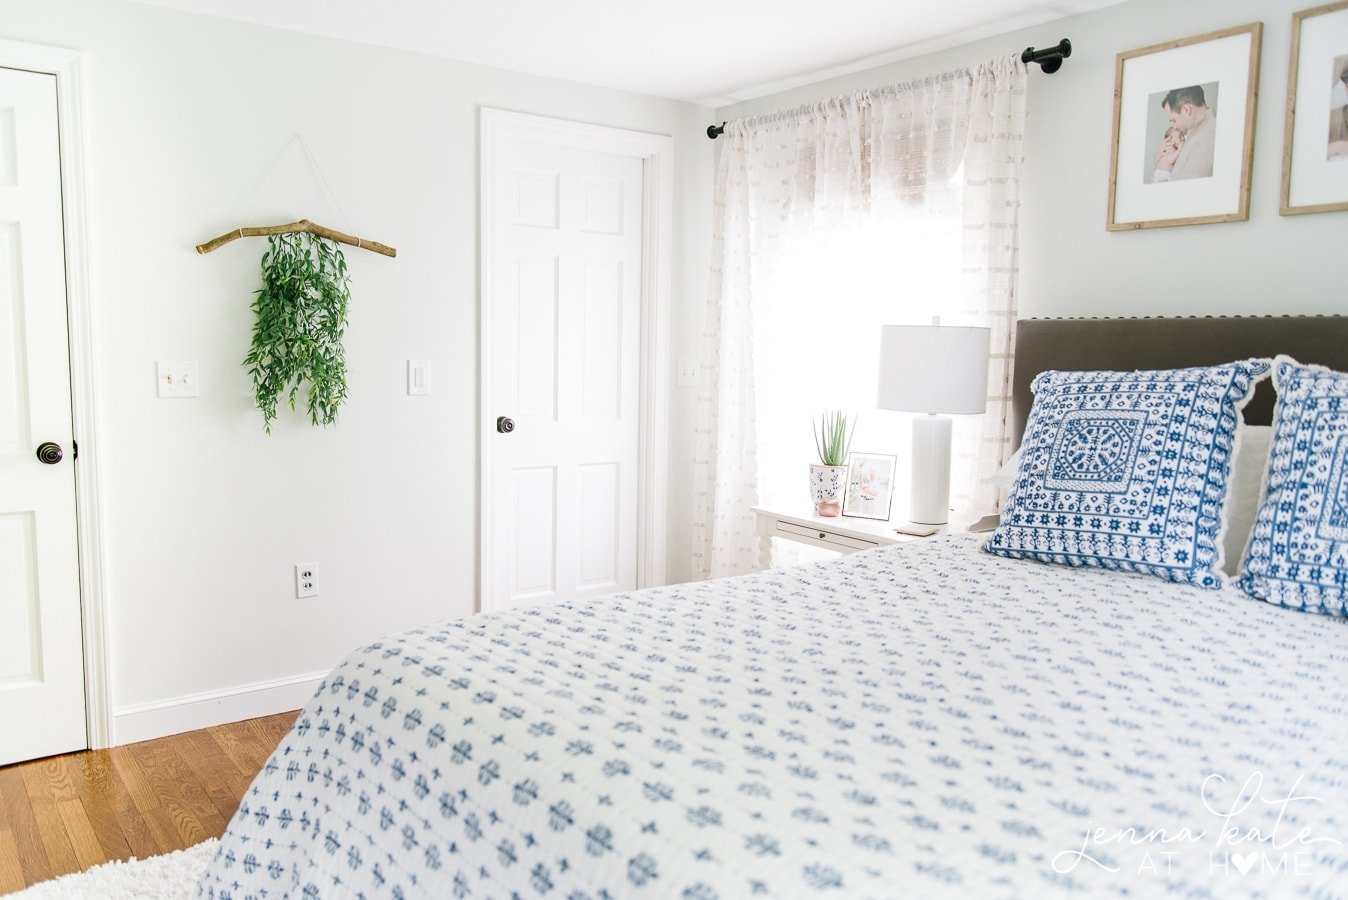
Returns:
point(891, 151)
point(991, 261)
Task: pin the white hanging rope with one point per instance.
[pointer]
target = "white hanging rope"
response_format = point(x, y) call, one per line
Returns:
point(313, 164)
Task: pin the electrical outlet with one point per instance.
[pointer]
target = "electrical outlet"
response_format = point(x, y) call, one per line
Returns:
point(689, 373)
point(306, 580)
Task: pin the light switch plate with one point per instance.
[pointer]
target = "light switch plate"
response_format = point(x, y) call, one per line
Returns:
point(177, 378)
point(418, 377)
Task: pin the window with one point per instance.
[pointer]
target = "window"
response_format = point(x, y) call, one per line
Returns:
point(818, 337)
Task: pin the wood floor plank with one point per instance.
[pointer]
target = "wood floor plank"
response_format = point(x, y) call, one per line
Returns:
point(159, 798)
point(143, 803)
point(55, 841)
point(113, 812)
point(272, 728)
point(223, 780)
point(18, 813)
point(236, 746)
point(169, 764)
point(11, 873)
point(264, 738)
point(56, 771)
point(80, 831)
point(244, 746)
point(66, 813)
point(98, 787)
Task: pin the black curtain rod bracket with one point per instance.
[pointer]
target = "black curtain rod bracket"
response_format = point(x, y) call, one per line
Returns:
point(1049, 58)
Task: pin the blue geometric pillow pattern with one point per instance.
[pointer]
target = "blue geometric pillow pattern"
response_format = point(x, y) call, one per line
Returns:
point(1298, 552)
point(1128, 470)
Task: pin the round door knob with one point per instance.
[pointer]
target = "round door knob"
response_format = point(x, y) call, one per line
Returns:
point(505, 424)
point(50, 453)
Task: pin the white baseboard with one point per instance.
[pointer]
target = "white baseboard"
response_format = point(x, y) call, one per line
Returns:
point(145, 721)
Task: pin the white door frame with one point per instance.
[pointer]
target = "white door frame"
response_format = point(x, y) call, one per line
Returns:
point(68, 67)
point(657, 153)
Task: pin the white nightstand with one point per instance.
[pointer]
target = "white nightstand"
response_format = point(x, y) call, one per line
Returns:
point(841, 533)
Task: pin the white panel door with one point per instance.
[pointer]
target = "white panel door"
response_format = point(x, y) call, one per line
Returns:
point(41, 650)
point(565, 309)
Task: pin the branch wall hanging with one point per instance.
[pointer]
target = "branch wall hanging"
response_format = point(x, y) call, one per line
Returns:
point(301, 309)
point(303, 225)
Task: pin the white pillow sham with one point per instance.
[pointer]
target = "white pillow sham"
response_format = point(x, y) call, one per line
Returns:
point(1245, 494)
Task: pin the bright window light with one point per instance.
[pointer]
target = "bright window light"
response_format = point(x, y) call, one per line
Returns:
point(817, 325)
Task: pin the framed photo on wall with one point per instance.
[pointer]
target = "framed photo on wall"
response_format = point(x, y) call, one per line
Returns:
point(1315, 139)
point(1184, 130)
point(870, 486)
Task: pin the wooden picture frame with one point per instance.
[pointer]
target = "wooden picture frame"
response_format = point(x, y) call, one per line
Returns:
point(1183, 142)
point(1315, 147)
point(870, 486)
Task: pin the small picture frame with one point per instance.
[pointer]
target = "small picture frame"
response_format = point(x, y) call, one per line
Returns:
point(1315, 137)
point(870, 486)
point(1184, 131)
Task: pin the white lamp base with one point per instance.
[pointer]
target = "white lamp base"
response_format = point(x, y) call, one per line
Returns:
point(929, 500)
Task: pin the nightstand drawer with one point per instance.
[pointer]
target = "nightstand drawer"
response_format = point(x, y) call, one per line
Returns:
point(824, 536)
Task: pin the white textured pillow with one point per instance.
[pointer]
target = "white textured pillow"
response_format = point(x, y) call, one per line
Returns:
point(1242, 497)
point(1006, 475)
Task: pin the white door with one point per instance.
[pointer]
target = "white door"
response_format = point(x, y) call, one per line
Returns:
point(565, 308)
point(41, 650)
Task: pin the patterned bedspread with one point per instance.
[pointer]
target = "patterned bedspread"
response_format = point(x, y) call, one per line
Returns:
point(921, 720)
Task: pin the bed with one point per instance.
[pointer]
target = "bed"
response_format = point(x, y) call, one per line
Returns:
point(918, 720)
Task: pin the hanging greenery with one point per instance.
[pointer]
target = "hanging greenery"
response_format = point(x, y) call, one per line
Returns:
point(297, 335)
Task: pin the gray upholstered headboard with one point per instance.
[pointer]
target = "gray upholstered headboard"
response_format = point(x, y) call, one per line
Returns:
point(1130, 344)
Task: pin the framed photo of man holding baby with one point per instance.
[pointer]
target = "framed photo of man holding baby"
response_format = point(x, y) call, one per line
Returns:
point(1184, 131)
point(1315, 142)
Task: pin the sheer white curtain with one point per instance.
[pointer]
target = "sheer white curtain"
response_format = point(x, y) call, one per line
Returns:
point(932, 166)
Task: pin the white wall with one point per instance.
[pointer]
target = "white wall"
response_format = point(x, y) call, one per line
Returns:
point(1070, 265)
point(205, 514)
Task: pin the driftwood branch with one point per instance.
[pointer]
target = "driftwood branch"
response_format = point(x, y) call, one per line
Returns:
point(301, 225)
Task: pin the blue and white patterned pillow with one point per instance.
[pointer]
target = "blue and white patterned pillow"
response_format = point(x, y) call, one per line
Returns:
point(1128, 470)
point(1298, 551)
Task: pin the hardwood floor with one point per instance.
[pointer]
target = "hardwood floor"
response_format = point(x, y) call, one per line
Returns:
point(66, 813)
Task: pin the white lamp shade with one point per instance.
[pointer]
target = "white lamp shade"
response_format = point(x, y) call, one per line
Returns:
point(934, 369)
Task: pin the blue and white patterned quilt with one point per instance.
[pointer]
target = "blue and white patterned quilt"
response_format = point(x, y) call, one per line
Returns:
point(923, 720)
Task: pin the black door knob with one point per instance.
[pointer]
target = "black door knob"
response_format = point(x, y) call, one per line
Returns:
point(50, 453)
point(505, 424)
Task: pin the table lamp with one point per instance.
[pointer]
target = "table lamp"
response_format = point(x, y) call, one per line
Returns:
point(938, 370)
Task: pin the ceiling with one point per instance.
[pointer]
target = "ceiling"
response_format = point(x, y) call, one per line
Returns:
point(712, 52)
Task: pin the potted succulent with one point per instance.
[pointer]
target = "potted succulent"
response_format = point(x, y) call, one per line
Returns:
point(828, 477)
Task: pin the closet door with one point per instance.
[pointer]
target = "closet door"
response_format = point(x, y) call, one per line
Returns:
point(41, 648)
point(565, 324)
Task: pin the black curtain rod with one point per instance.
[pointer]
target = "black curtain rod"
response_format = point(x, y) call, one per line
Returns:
point(1049, 60)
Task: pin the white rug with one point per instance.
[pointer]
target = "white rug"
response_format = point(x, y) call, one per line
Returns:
point(172, 876)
